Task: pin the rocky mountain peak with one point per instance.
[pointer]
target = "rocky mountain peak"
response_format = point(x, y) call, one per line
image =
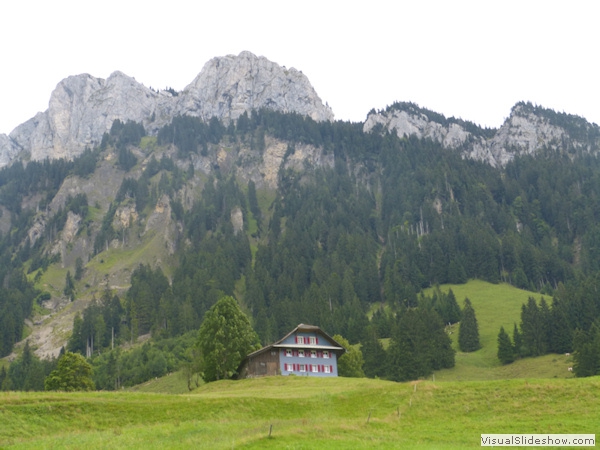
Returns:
point(229, 85)
point(82, 108)
point(528, 130)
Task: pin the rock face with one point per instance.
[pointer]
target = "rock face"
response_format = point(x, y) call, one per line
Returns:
point(230, 85)
point(8, 149)
point(528, 130)
point(82, 108)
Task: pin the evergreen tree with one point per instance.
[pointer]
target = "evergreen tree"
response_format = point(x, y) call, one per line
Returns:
point(3, 377)
point(26, 373)
point(69, 289)
point(373, 353)
point(468, 331)
point(534, 328)
point(506, 353)
point(79, 269)
point(561, 337)
point(586, 357)
point(518, 350)
point(453, 307)
point(418, 346)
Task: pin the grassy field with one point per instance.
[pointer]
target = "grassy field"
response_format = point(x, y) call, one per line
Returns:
point(302, 412)
point(174, 383)
point(497, 305)
point(477, 396)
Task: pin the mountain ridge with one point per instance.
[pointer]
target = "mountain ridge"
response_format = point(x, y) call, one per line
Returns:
point(82, 108)
point(528, 130)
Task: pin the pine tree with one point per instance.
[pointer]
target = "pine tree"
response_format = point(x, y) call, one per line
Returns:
point(506, 353)
point(517, 342)
point(586, 358)
point(453, 307)
point(468, 331)
point(373, 354)
point(561, 339)
point(69, 289)
point(534, 328)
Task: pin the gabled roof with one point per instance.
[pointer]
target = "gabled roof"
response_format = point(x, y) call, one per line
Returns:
point(302, 328)
point(308, 328)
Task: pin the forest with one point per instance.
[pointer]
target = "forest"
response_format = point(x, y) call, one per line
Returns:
point(348, 248)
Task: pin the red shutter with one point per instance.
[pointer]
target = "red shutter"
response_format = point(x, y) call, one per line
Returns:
point(331, 369)
point(296, 338)
point(322, 368)
point(317, 340)
point(310, 367)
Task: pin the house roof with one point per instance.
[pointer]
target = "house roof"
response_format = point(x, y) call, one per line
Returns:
point(302, 328)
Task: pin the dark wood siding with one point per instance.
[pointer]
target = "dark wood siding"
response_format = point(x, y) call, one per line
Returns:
point(264, 364)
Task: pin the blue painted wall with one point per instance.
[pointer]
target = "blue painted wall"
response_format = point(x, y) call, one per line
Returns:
point(307, 360)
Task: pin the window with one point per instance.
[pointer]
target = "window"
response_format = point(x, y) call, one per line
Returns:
point(301, 353)
point(314, 368)
point(300, 339)
point(302, 367)
point(288, 352)
point(313, 353)
point(313, 340)
point(288, 367)
point(326, 354)
point(327, 369)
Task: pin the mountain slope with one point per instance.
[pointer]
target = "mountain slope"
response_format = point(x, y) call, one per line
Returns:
point(304, 221)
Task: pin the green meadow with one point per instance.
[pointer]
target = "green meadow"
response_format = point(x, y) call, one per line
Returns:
point(448, 411)
point(497, 305)
point(302, 413)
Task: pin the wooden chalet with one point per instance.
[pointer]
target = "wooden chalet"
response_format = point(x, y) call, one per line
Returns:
point(306, 350)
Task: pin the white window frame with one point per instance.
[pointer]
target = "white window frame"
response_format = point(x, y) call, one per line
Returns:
point(327, 368)
point(312, 340)
point(300, 339)
point(302, 367)
point(301, 353)
point(325, 354)
point(288, 352)
point(313, 353)
point(315, 368)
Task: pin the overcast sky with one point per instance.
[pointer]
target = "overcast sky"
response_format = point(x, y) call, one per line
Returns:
point(468, 59)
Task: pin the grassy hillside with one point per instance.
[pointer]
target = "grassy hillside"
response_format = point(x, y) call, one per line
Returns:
point(303, 413)
point(497, 305)
point(173, 383)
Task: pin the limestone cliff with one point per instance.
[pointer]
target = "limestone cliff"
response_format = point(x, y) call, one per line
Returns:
point(528, 130)
point(82, 108)
point(230, 85)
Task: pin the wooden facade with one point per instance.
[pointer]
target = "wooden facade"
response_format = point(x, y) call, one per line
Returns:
point(263, 363)
point(306, 351)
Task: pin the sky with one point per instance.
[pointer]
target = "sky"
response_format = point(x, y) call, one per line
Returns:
point(468, 59)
